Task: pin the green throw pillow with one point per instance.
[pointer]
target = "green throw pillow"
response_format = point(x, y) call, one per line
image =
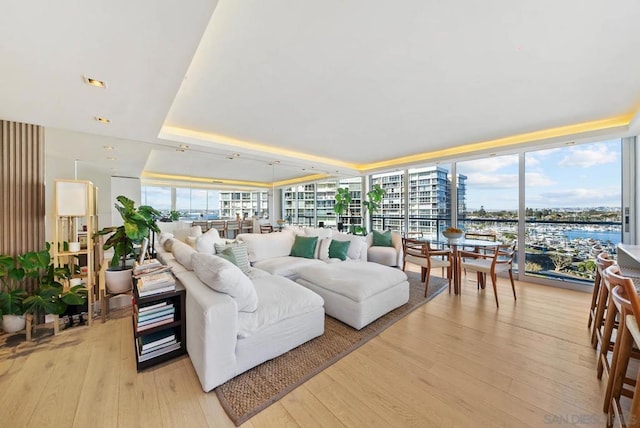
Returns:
point(338, 249)
point(304, 246)
point(382, 239)
point(239, 251)
point(228, 255)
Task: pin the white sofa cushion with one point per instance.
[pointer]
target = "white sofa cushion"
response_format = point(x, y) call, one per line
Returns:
point(205, 242)
point(286, 266)
point(357, 249)
point(323, 249)
point(224, 277)
point(279, 299)
point(164, 236)
point(261, 246)
point(182, 253)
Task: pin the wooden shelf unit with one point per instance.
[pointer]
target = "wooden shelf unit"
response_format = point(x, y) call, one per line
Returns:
point(76, 216)
point(178, 326)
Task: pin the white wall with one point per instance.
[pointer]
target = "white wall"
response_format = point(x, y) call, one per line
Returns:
point(59, 166)
point(125, 186)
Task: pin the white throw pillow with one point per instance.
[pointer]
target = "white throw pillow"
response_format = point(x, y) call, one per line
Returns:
point(182, 253)
point(191, 241)
point(224, 277)
point(195, 231)
point(205, 242)
point(323, 249)
point(167, 245)
point(163, 237)
point(261, 246)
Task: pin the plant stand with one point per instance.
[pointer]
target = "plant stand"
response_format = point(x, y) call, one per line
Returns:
point(29, 325)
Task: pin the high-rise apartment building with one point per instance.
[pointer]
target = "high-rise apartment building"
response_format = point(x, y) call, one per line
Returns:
point(243, 204)
point(429, 199)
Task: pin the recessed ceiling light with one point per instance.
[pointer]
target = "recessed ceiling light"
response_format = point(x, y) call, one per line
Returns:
point(230, 157)
point(111, 158)
point(491, 155)
point(181, 150)
point(571, 143)
point(102, 119)
point(237, 155)
point(95, 82)
point(108, 147)
point(276, 162)
point(184, 146)
point(304, 169)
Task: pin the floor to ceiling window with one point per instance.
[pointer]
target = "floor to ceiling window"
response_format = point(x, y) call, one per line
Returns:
point(573, 204)
point(491, 197)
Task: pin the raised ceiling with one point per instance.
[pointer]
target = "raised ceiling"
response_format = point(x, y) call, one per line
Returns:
point(331, 87)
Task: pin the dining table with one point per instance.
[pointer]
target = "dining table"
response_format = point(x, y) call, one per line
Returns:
point(456, 245)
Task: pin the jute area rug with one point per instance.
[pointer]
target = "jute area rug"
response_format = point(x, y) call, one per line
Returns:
point(252, 391)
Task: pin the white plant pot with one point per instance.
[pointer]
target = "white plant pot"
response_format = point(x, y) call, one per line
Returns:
point(118, 281)
point(13, 323)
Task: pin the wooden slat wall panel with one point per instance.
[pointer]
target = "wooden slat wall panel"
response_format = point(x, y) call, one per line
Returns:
point(22, 202)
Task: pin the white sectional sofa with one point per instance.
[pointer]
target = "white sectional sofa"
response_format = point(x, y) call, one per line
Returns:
point(237, 320)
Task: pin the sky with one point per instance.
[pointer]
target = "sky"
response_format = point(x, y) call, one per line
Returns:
point(580, 176)
point(586, 175)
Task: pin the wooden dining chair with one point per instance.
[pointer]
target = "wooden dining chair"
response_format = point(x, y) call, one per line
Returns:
point(493, 261)
point(266, 228)
point(246, 226)
point(627, 302)
point(420, 253)
point(596, 290)
point(220, 226)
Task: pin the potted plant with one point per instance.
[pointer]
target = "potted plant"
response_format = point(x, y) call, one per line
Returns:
point(11, 295)
point(137, 225)
point(49, 297)
point(343, 199)
point(372, 204)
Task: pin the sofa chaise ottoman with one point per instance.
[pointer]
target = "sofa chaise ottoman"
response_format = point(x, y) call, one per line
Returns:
point(355, 292)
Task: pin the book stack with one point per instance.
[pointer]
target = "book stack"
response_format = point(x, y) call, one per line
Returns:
point(155, 283)
point(155, 344)
point(149, 267)
point(147, 317)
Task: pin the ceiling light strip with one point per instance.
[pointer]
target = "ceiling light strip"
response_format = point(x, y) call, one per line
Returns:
point(530, 137)
point(175, 133)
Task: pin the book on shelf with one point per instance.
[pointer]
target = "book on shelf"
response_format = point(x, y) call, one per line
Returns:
point(140, 329)
point(153, 307)
point(160, 346)
point(155, 281)
point(151, 271)
point(156, 291)
point(156, 338)
point(158, 352)
point(154, 320)
point(155, 311)
point(153, 315)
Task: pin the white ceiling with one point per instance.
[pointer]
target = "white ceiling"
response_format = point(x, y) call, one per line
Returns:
point(321, 86)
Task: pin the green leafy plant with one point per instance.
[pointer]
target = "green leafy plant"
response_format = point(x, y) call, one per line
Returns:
point(138, 224)
point(11, 296)
point(343, 199)
point(372, 205)
point(49, 296)
point(174, 215)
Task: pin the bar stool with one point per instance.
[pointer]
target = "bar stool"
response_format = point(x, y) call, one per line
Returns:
point(602, 262)
point(626, 298)
point(596, 290)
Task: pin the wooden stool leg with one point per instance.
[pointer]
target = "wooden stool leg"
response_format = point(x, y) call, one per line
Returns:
point(494, 279)
point(621, 352)
point(612, 311)
point(594, 298)
point(603, 297)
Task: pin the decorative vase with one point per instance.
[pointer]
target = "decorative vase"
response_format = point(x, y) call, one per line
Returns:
point(118, 280)
point(13, 323)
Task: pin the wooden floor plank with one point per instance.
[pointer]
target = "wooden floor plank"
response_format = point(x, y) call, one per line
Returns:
point(456, 361)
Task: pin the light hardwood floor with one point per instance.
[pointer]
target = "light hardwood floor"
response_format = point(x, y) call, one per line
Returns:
point(456, 361)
